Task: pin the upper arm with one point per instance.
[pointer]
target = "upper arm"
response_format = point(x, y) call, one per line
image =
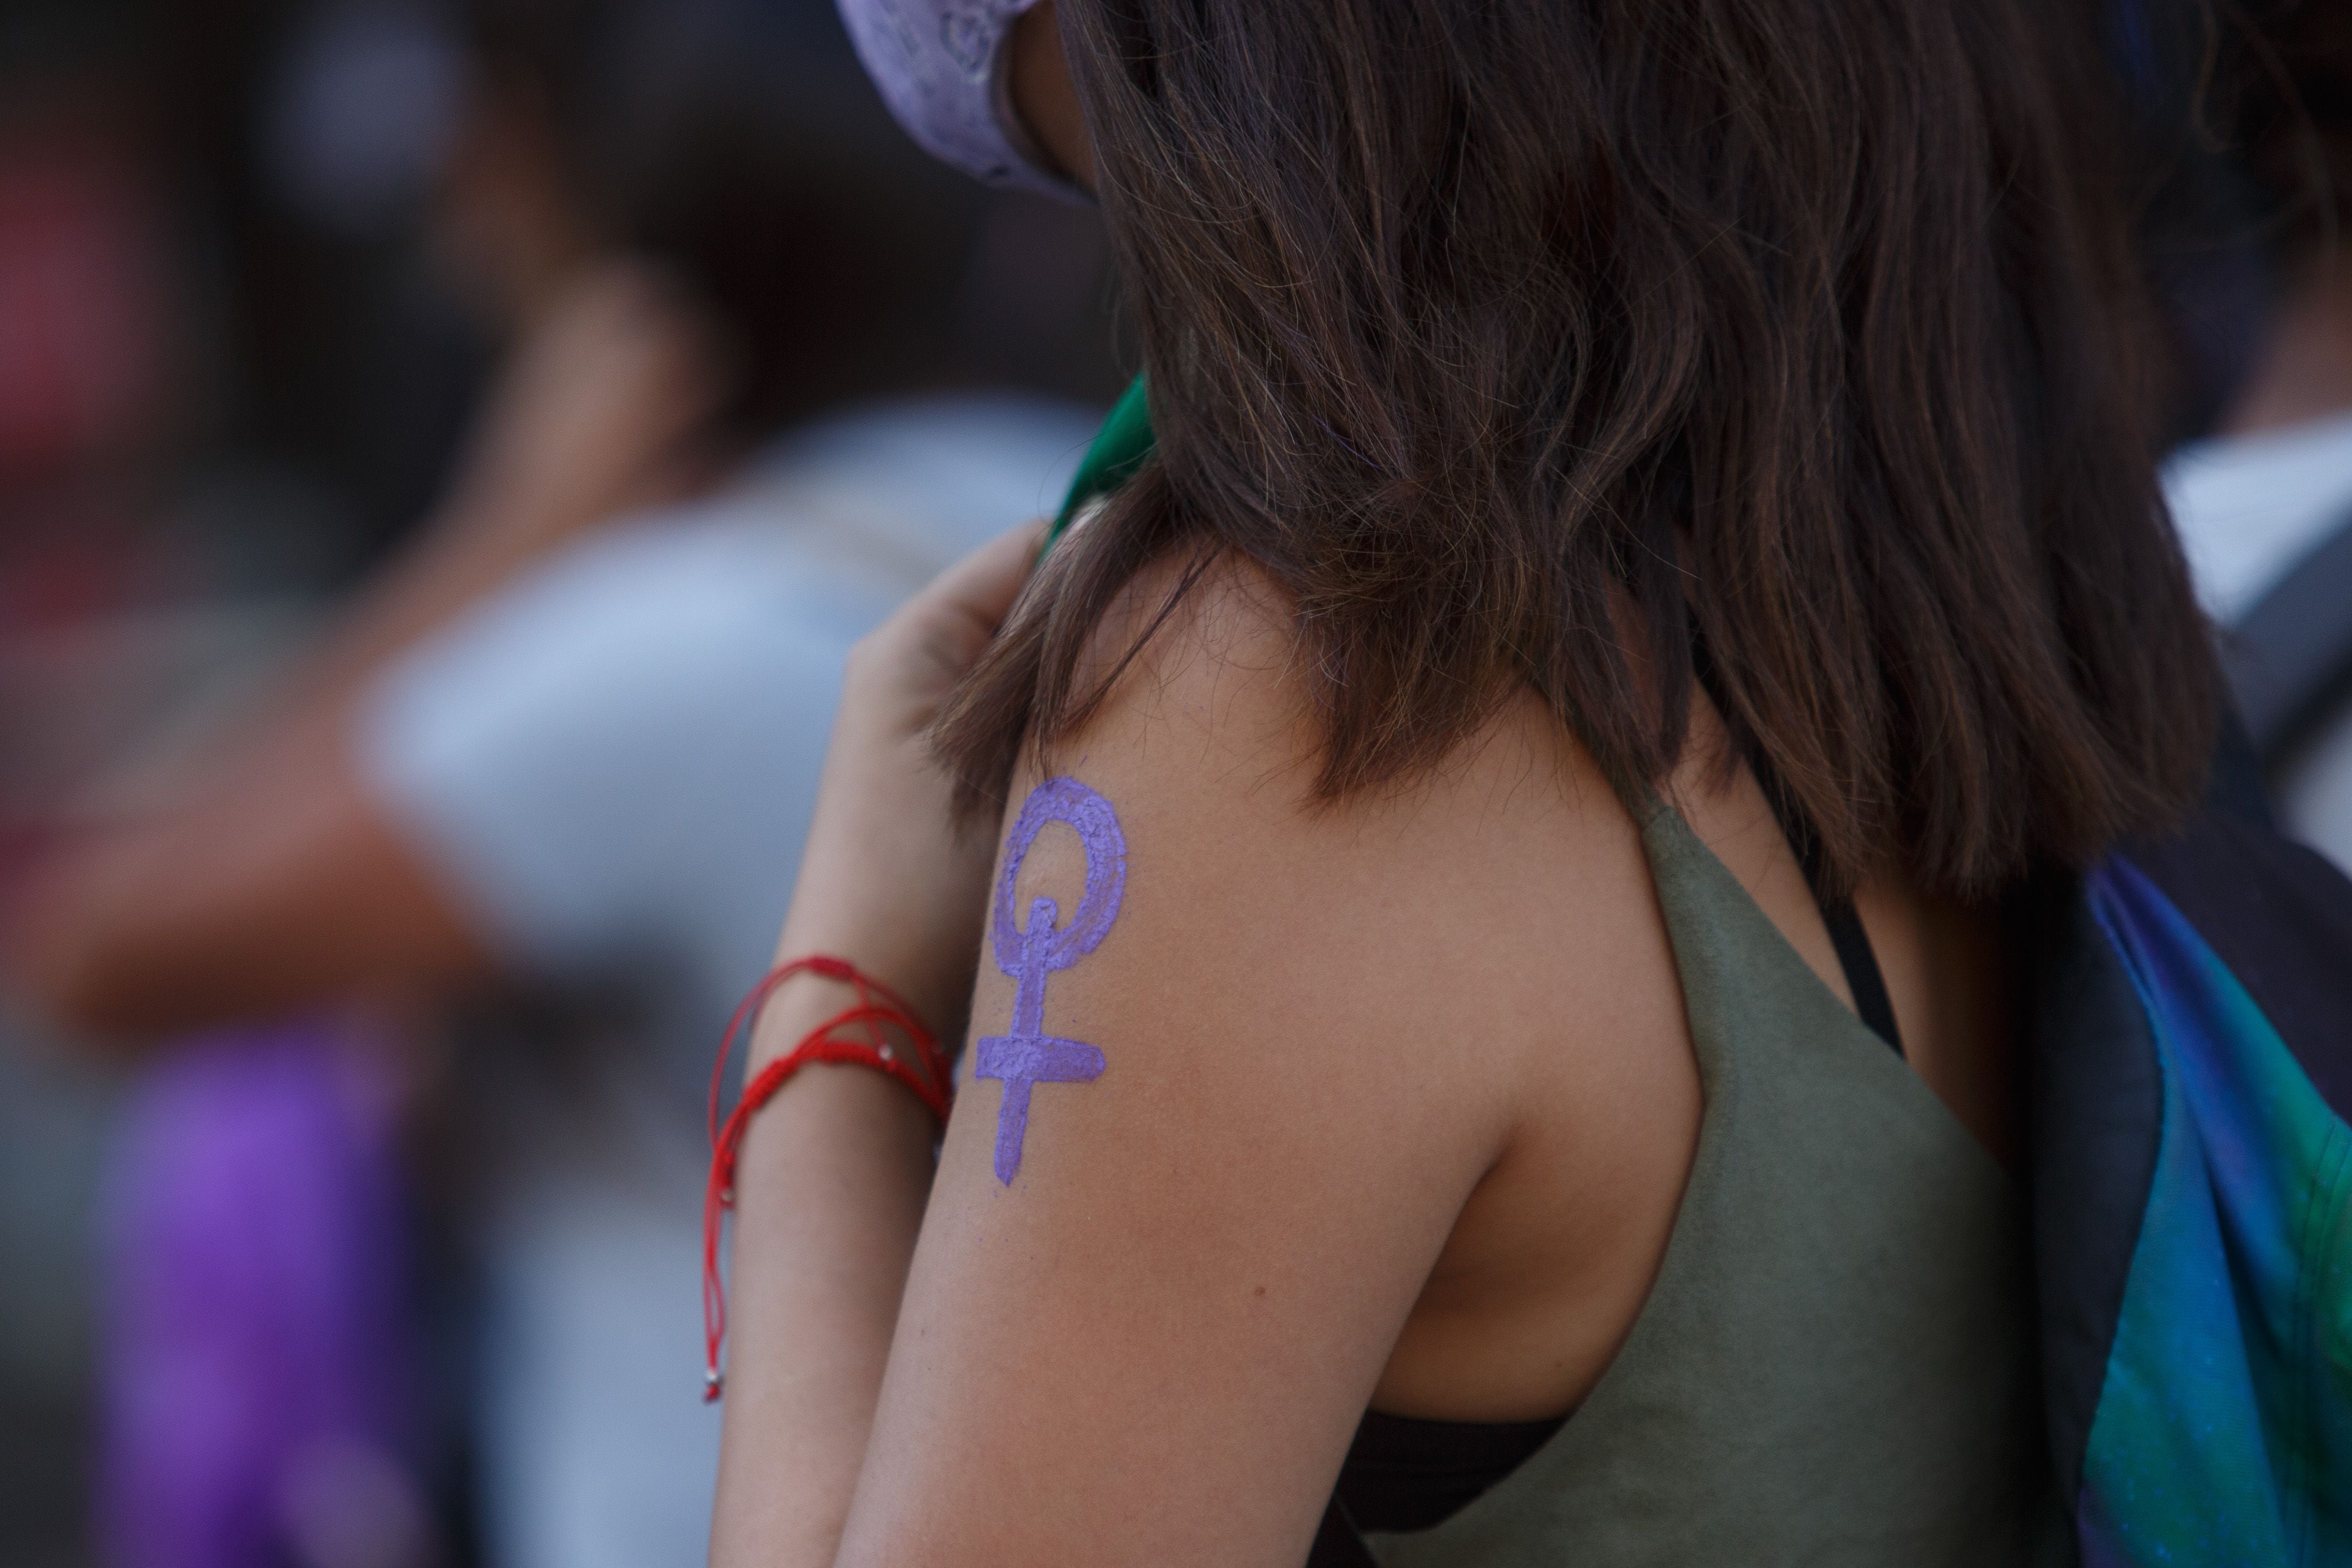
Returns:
point(1154, 1343)
point(281, 887)
point(616, 754)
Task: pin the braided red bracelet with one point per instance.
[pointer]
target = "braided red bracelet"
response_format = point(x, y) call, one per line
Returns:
point(931, 1086)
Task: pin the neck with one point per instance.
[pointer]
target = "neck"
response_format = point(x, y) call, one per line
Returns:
point(2305, 373)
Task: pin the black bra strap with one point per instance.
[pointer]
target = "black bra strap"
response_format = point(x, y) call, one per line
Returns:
point(1862, 977)
point(1854, 956)
point(1845, 923)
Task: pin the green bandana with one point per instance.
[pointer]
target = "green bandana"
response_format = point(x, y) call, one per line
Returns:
point(1120, 448)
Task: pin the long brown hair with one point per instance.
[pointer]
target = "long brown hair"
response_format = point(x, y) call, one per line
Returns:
point(1809, 328)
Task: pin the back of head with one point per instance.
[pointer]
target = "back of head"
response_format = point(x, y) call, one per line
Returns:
point(1506, 336)
point(734, 142)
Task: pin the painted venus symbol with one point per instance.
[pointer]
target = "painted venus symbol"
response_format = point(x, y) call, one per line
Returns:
point(1027, 1056)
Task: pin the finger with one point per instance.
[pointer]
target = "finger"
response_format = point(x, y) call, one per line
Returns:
point(984, 585)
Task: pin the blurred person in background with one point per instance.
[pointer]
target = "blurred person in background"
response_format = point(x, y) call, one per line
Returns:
point(2264, 506)
point(90, 377)
point(569, 738)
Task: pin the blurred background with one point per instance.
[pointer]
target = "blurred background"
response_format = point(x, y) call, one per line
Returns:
point(444, 447)
point(260, 262)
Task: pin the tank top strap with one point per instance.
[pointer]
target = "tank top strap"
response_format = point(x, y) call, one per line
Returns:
point(1835, 1361)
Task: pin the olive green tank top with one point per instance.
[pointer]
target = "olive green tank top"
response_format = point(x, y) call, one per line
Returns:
point(1836, 1363)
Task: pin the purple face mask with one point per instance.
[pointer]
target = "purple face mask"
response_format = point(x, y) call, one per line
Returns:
point(944, 70)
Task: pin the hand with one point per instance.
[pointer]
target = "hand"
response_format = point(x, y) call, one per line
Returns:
point(603, 409)
point(888, 881)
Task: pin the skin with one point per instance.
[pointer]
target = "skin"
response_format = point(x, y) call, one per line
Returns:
point(1398, 1107)
point(2305, 369)
point(1043, 94)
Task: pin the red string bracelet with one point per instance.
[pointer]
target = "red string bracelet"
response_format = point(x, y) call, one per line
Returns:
point(877, 1005)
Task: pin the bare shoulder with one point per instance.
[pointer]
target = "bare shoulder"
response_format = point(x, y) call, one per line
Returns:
point(1400, 932)
point(1202, 662)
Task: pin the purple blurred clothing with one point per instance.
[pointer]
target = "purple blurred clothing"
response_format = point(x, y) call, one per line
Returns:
point(257, 1358)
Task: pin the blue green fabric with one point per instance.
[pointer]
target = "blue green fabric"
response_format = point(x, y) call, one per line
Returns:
point(1119, 447)
point(2223, 1431)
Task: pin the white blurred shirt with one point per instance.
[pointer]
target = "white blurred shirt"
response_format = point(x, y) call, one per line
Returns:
point(2250, 510)
point(612, 765)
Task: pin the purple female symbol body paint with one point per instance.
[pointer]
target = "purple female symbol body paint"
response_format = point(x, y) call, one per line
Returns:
point(1027, 1056)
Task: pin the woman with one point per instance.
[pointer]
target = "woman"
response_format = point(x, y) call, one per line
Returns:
point(1652, 535)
